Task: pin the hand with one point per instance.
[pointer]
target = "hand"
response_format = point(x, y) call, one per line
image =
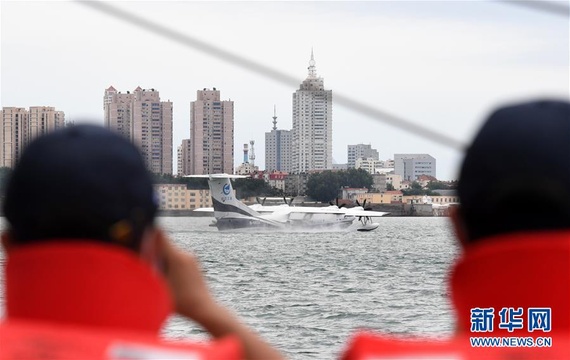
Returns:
point(193, 299)
point(189, 290)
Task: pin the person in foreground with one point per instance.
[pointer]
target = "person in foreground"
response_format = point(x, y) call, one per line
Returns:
point(88, 272)
point(511, 285)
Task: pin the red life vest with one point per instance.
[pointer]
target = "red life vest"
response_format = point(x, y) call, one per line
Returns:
point(523, 270)
point(85, 300)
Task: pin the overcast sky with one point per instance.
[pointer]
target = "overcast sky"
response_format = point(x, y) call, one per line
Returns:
point(443, 65)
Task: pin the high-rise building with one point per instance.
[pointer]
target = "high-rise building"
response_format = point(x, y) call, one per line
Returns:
point(211, 134)
point(359, 151)
point(277, 148)
point(184, 158)
point(311, 147)
point(145, 120)
point(18, 127)
point(410, 166)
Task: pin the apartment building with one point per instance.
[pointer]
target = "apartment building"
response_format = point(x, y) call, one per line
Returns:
point(183, 152)
point(144, 119)
point(19, 126)
point(211, 134)
point(360, 151)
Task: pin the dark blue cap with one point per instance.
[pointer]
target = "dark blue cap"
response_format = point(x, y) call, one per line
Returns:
point(516, 173)
point(80, 182)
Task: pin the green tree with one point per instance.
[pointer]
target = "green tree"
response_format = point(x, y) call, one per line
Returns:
point(191, 183)
point(435, 185)
point(248, 187)
point(389, 187)
point(416, 189)
point(325, 186)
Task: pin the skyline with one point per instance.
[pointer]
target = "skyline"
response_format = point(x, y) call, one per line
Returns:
point(441, 65)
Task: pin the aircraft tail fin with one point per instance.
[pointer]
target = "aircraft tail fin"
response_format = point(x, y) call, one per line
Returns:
point(223, 196)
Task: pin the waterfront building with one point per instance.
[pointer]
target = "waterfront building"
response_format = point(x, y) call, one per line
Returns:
point(379, 182)
point(394, 180)
point(388, 197)
point(211, 134)
point(178, 197)
point(352, 193)
point(311, 147)
point(360, 151)
point(145, 120)
point(18, 127)
point(278, 148)
point(410, 166)
point(276, 179)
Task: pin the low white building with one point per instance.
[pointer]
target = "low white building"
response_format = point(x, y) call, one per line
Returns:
point(368, 164)
point(178, 197)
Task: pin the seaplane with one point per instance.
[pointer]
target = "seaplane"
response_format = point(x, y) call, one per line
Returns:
point(232, 214)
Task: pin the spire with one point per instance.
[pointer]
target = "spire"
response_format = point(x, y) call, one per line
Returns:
point(312, 68)
point(274, 118)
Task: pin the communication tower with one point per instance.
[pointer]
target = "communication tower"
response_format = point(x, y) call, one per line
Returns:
point(252, 153)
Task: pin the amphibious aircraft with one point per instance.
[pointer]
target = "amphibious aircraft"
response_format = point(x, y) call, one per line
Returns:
point(230, 213)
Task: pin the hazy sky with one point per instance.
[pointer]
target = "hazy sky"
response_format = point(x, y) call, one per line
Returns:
point(443, 65)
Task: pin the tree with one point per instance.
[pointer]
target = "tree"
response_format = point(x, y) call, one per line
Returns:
point(416, 189)
point(324, 186)
point(437, 185)
point(191, 183)
point(389, 187)
point(248, 187)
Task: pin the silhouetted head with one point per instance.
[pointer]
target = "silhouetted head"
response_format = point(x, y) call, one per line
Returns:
point(80, 183)
point(516, 173)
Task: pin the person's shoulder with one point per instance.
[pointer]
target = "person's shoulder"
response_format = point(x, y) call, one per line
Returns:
point(34, 340)
point(368, 345)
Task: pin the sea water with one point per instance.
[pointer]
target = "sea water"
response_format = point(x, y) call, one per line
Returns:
point(307, 292)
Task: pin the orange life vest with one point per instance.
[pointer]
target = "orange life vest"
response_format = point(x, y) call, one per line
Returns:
point(85, 300)
point(519, 271)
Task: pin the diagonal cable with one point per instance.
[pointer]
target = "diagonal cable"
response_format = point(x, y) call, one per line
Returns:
point(553, 7)
point(269, 72)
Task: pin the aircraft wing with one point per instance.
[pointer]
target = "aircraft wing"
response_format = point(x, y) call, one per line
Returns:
point(207, 209)
point(315, 210)
point(217, 176)
point(367, 213)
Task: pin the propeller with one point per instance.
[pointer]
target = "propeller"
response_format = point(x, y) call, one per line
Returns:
point(337, 205)
point(363, 205)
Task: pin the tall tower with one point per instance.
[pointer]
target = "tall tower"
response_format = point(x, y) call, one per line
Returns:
point(211, 134)
point(312, 124)
point(277, 148)
point(252, 153)
point(145, 120)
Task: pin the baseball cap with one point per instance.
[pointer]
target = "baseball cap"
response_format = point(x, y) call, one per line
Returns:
point(80, 182)
point(516, 173)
